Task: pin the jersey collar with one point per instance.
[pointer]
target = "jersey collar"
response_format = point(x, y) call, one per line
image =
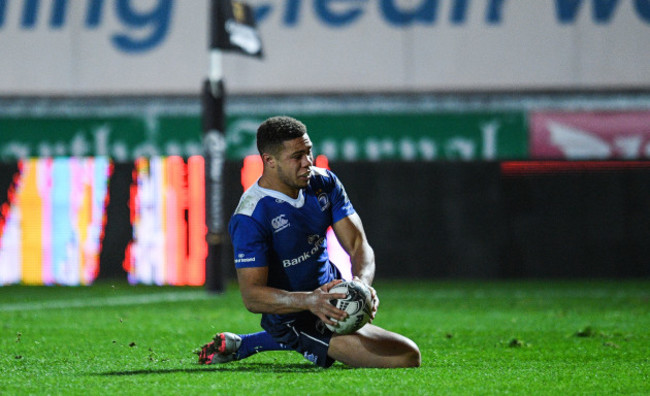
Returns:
point(295, 202)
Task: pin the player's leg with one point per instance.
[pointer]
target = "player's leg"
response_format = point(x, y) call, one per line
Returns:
point(372, 346)
point(226, 347)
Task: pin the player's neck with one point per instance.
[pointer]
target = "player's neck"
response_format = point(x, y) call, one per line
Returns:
point(271, 183)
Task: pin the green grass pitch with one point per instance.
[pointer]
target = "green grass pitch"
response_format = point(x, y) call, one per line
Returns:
point(497, 337)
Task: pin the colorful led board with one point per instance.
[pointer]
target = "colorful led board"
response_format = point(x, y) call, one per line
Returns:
point(51, 226)
point(168, 218)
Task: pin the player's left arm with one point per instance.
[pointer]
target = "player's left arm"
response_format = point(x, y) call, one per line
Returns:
point(349, 231)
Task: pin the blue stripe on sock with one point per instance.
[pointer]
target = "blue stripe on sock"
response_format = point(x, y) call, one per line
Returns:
point(255, 343)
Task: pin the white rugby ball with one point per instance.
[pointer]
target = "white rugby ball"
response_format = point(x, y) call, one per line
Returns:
point(357, 303)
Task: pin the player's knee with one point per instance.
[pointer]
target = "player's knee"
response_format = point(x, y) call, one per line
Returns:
point(409, 355)
point(415, 359)
point(412, 358)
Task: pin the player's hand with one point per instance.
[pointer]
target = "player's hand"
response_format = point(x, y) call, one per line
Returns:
point(373, 297)
point(319, 303)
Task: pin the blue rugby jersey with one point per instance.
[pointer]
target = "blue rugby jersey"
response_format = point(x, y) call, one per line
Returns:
point(288, 235)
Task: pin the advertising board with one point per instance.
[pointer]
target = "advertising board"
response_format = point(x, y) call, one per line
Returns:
point(343, 136)
point(399, 136)
point(590, 135)
point(151, 47)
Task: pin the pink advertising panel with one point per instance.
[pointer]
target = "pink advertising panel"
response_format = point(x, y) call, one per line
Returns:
point(590, 135)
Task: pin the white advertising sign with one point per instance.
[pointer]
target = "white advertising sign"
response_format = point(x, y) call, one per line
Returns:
point(95, 47)
point(142, 47)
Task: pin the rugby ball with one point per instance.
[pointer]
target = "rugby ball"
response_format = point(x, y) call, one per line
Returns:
point(357, 303)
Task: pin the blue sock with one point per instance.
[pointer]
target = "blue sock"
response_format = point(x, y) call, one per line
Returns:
point(257, 342)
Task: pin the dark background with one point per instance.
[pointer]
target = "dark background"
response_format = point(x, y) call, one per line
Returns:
point(472, 220)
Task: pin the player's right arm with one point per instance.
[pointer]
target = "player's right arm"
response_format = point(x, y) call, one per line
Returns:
point(260, 298)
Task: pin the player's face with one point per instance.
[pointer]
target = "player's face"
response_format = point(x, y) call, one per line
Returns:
point(294, 163)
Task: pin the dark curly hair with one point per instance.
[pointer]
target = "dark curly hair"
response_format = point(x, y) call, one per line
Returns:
point(275, 131)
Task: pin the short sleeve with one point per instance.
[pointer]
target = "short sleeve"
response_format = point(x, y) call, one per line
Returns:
point(341, 205)
point(249, 242)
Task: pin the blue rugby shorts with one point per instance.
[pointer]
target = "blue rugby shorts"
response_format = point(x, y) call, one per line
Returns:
point(308, 335)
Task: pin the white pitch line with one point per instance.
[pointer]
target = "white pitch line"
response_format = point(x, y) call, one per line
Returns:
point(108, 301)
point(154, 298)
